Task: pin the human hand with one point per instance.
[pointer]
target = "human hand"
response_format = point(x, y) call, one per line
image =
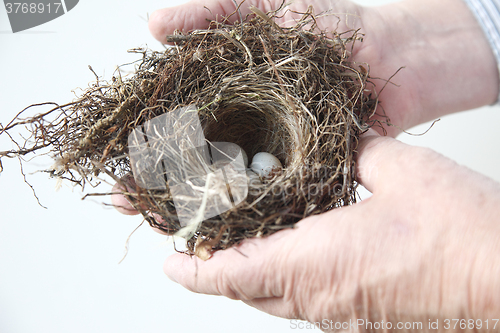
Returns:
point(424, 246)
point(448, 63)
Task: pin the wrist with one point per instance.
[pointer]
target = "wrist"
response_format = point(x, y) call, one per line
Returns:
point(449, 64)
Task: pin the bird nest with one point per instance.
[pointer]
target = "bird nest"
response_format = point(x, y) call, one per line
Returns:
point(291, 92)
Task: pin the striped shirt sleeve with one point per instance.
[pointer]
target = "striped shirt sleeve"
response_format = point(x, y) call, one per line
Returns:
point(487, 13)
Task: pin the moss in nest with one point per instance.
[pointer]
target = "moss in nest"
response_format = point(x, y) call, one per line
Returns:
point(291, 92)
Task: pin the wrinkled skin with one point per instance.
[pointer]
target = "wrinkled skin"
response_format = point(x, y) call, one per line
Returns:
point(399, 255)
point(425, 245)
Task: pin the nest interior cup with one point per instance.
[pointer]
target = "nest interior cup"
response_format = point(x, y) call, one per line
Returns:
point(290, 92)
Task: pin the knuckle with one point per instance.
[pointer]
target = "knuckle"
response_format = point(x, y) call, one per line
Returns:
point(224, 283)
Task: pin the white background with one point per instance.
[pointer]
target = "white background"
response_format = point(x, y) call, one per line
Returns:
point(59, 268)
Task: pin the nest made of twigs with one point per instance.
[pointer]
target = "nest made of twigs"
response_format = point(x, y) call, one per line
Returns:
point(291, 92)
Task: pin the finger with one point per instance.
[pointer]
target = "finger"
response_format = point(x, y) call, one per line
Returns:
point(247, 271)
point(124, 206)
point(120, 202)
point(379, 160)
point(192, 15)
point(159, 219)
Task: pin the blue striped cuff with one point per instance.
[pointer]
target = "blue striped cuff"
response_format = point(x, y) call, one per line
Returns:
point(487, 13)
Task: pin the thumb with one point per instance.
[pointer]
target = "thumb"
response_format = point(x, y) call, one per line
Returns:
point(191, 16)
point(240, 272)
point(380, 160)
